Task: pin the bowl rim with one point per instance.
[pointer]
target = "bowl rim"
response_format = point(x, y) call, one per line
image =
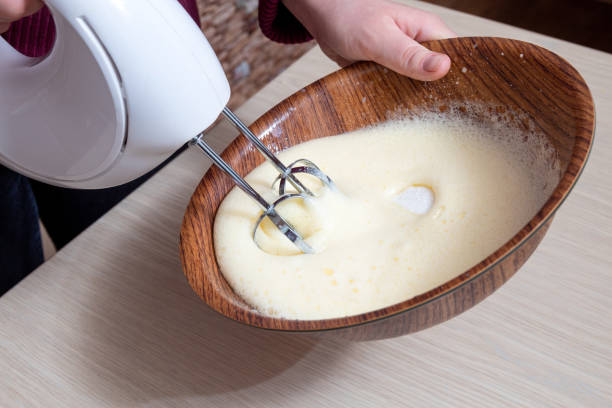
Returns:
point(557, 197)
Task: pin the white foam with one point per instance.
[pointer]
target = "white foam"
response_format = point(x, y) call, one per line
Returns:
point(388, 236)
point(416, 199)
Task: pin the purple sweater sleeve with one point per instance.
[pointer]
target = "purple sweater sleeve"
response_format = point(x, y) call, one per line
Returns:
point(34, 35)
point(278, 24)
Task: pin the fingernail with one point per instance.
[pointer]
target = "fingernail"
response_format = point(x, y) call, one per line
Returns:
point(433, 62)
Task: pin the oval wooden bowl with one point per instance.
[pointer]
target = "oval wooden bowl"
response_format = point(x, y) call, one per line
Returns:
point(506, 75)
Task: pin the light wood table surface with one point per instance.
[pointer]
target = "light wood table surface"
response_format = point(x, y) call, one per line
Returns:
point(111, 321)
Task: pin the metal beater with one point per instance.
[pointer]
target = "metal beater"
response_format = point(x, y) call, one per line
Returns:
point(286, 173)
point(110, 123)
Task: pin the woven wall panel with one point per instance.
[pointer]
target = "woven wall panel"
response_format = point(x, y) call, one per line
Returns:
point(249, 59)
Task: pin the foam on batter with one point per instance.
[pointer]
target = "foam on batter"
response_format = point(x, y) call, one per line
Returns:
point(420, 202)
point(416, 199)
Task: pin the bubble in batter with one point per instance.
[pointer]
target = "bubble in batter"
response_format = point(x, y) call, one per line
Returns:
point(417, 199)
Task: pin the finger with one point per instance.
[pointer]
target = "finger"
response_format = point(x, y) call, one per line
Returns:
point(13, 10)
point(4, 27)
point(420, 25)
point(396, 50)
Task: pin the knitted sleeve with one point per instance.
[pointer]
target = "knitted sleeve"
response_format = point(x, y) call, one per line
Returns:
point(278, 24)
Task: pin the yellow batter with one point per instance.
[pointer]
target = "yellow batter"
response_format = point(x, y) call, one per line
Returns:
point(420, 202)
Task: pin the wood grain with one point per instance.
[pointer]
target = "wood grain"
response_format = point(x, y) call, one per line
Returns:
point(524, 83)
point(110, 320)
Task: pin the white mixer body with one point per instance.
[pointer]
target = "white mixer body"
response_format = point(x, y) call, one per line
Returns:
point(126, 83)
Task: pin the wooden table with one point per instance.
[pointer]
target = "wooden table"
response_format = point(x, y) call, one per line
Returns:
point(111, 321)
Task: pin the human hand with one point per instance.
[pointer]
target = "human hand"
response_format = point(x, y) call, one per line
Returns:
point(376, 30)
point(13, 10)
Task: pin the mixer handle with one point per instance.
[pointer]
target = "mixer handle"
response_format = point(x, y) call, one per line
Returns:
point(126, 83)
point(11, 58)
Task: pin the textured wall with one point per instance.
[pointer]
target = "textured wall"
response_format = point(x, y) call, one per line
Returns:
point(250, 60)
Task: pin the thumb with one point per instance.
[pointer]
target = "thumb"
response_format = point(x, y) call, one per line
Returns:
point(396, 50)
point(13, 10)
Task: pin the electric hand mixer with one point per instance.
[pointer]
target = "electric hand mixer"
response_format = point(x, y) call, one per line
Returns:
point(126, 84)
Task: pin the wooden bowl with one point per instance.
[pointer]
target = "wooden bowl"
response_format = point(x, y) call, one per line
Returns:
point(506, 75)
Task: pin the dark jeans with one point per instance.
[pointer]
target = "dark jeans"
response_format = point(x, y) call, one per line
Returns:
point(65, 213)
